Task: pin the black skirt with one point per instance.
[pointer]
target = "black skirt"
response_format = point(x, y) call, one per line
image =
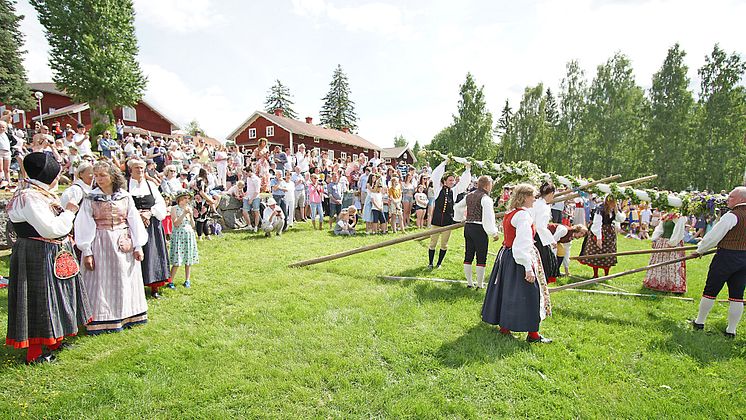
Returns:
point(548, 260)
point(42, 309)
point(511, 302)
point(155, 269)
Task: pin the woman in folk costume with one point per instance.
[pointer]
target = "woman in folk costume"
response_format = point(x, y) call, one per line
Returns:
point(545, 242)
point(445, 191)
point(152, 208)
point(110, 233)
point(578, 211)
point(477, 209)
point(517, 297)
point(672, 277)
point(46, 298)
point(564, 236)
point(602, 237)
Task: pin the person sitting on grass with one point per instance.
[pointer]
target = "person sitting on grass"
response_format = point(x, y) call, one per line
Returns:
point(273, 219)
point(343, 226)
point(352, 213)
point(183, 247)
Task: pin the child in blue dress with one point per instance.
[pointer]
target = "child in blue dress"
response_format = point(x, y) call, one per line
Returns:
point(183, 239)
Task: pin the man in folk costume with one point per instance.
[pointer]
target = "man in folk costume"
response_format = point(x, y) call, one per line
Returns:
point(477, 209)
point(729, 264)
point(445, 190)
point(152, 208)
point(46, 297)
point(517, 297)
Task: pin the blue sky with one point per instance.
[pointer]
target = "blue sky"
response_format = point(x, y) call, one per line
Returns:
point(214, 60)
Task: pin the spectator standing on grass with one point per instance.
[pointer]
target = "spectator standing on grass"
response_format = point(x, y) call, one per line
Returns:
point(251, 199)
point(315, 200)
point(335, 199)
point(183, 246)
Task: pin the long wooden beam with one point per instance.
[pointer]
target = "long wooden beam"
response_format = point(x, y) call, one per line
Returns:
point(624, 273)
point(588, 185)
point(635, 252)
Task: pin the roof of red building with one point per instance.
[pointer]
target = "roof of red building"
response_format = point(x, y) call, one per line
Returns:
point(306, 129)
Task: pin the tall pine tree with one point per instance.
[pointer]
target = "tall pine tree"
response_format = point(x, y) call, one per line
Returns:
point(13, 90)
point(502, 131)
point(94, 53)
point(338, 111)
point(671, 112)
point(400, 141)
point(279, 97)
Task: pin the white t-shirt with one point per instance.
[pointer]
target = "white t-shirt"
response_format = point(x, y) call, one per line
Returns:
point(85, 147)
point(4, 142)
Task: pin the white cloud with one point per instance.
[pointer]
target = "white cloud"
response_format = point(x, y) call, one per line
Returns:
point(375, 17)
point(36, 59)
point(210, 106)
point(180, 16)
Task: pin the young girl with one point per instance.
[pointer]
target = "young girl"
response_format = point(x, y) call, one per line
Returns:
point(395, 205)
point(352, 213)
point(343, 226)
point(376, 202)
point(183, 240)
point(201, 216)
point(420, 205)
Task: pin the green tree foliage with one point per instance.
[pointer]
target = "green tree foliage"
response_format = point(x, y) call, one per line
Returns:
point(13, 90)
point(416, 148)
point(194, 129)
point(718, 162)
point(552, 114)
point(613, 124)
point(279, 97)
point(529, 135)
point(671, 113)
point(400, 141)
point(93, 53)
point(572, 106)
point(470, 134)
point(338, 111)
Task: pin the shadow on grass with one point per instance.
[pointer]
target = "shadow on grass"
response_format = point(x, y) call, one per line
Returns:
point(481, 343)
point(704, 346)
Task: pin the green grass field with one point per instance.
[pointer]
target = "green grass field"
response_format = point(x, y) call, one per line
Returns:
point(253, 338)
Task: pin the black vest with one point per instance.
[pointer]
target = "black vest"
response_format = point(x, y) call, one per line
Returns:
point(443, 211)
point(144, 202)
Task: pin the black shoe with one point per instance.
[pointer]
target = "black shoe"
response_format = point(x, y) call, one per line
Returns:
point(697, 326)
point(429, 266)
point(44, 358)
point(469, 286)
point(64, 346)
point(540, 339)
point(732, 336)
point(155, 295)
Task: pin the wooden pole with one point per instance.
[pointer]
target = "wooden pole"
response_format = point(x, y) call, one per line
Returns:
point(619, 289)
point(636, 252)
point(605, 292)
point(423, 234)
point(638, 180)
point(422, 279)
point(624, 273)
point(588, 185)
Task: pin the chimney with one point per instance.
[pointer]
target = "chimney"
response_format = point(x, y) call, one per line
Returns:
point(309, 120)
point(346, 130)
point(278, 112)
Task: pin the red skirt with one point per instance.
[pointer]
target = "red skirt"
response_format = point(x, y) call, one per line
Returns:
point(168, 225)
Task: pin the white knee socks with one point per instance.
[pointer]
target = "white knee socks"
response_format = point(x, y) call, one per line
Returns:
point(735, 310)
point(467, 273)
point(705, 305)
point(480, 276)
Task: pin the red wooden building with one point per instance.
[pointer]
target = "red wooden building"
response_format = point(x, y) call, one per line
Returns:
point(287, 132)
point(395, 155)
point(58, 106)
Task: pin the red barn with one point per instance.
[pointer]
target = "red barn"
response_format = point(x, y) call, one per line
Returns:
point(58, 106)
point(287, 132)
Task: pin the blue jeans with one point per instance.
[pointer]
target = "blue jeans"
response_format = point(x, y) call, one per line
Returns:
point(317, 208)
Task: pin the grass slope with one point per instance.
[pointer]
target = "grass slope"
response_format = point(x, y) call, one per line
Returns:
point(253, 338)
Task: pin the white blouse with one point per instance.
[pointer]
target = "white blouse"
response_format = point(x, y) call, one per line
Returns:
point(542, 214)
point(75, 193)
point(678, 231)
point(524, 240)
point(140, 189)
point(34, 207)
point(85, 226)
point(598, 222)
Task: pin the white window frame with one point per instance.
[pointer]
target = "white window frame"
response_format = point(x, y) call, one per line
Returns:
point(315, 140)
point(51, 110)
point(129, 114)
point(330, 155)
point(270, 131)
point(252, 133)
point(343, 156)
point(354, 157)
